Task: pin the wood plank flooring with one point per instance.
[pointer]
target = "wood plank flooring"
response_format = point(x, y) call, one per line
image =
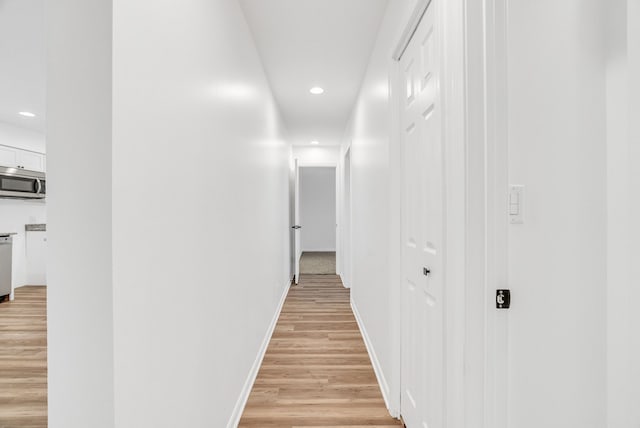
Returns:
point(23, 359)
point(316, 372)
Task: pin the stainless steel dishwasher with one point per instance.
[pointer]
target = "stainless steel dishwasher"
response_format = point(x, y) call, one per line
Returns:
point(5, 266)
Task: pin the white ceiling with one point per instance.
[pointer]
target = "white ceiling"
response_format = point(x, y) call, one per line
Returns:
point(22, 63)
point(303, 43)
point(306, 43)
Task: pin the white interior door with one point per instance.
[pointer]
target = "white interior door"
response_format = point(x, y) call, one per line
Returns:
point(423, 370)
point(297, 251)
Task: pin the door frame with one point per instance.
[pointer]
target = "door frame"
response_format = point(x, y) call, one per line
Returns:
point(300, 164)
point(487, 215)
point(296, 239)
point(344, 256)
point(474, 142)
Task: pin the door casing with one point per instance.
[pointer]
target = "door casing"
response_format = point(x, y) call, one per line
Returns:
point(297, 251)
point(343, 254)
point(298, 242)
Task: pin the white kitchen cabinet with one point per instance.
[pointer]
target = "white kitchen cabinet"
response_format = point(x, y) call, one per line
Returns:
point(8, 156)
point(36, 258)
point(31, 160)
point(24, 159)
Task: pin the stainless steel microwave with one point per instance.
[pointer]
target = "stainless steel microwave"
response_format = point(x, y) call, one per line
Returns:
point(22, 183)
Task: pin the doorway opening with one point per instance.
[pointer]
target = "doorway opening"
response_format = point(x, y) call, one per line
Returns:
point(317, 204)
point(23, 214)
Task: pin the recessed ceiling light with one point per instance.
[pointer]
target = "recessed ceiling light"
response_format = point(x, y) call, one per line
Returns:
point(315, 143)
point(316, 90)
point(26, 114)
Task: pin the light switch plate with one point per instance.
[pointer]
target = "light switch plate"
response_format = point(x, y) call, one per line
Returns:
point(516, 204)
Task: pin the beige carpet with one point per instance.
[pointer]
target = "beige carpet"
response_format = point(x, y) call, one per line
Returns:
point(319, 263)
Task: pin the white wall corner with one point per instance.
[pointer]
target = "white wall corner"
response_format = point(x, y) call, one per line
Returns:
point(392, 405)
point(238, 409)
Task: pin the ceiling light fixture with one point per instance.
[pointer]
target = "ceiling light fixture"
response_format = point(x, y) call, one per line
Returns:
point(315, 143)
point(316, 90)
point(26, 114)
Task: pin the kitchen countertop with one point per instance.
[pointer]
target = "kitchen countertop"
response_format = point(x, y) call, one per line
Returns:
point(35, 227)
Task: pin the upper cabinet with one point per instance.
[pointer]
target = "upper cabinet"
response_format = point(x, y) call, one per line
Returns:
point(8, 156)
point(31, 160)
point(23, 159)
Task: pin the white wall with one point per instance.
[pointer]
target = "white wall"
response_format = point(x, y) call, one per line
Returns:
point(557, 258)
point(316, 155)
point(14, 214)
point(318, 208)
point(200, 256)
point(21, 138)
point(585, 140)
point(80, 286)
point(375, 201)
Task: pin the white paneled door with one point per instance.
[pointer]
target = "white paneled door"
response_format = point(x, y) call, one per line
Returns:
point(422, 373)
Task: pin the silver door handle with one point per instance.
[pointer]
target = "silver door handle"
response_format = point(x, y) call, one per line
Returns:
point(297, 226)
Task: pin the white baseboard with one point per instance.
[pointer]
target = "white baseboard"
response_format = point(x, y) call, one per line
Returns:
point(345, 284)
point(318, 250)
point(234, 420)
point(382, 382)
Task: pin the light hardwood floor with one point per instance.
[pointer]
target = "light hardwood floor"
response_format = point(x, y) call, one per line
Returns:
point(316, 372)
point(23, 359)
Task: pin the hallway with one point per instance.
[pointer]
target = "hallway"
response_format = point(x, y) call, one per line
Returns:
point(482, 160)
point(316, 370)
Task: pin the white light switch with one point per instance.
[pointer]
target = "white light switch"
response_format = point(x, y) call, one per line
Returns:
point(516, 204)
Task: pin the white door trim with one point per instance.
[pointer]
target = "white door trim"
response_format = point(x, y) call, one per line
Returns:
point(395, 237)
point(452, 14)
point(410, 29)
point(296, 222)
point(486, 384)
point(497, 178)
point(302, 164)
point(344, 257)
